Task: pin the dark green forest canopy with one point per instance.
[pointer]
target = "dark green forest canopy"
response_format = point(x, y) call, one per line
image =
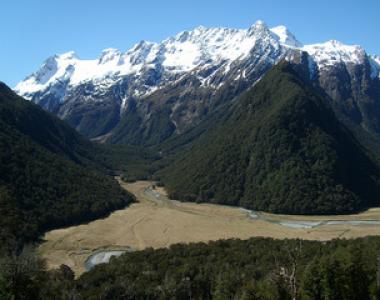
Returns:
point(257, 268)
point(277, 148)
point(48, 177)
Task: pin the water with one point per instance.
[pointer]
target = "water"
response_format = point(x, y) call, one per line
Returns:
point(310, 224)
point(101, 257)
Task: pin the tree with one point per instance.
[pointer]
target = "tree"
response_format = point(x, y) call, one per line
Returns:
point(288, 270)
point(358, 276)
point(22, 274)
point(311, 284)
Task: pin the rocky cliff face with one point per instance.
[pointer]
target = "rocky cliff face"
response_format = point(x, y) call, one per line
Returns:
point(355, 92)
point(154, 90)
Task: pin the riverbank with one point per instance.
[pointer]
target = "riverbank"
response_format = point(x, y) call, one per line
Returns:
point(157, 222)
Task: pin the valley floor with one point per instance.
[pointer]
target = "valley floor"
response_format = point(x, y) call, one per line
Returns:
point(155, 221)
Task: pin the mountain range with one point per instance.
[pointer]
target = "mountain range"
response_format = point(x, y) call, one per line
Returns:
point(153, 91)
point(251, 117)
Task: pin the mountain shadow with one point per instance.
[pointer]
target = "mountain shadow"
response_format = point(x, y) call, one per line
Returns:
point(47, 176)
point(278, 148)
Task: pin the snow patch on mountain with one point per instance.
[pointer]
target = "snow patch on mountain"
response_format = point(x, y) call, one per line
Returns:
point(182, 53)
point(285, 37)
point(189, 51)
point(333, 52)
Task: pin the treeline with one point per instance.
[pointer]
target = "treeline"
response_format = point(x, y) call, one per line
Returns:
point(228, 269)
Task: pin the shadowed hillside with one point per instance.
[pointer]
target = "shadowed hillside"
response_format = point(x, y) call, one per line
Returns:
point(47, 176)
point(278, 148)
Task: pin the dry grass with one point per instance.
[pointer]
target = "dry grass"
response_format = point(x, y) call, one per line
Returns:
point(156, 223)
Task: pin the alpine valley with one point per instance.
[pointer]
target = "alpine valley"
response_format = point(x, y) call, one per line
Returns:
point(219, 164)
point(173, 95)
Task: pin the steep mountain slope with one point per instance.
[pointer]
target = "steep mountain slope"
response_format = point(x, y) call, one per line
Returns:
point(351, 78)
point(278, 148)
point(46, 175)
point(157, 90)
point(44, 129)
point(174, 83)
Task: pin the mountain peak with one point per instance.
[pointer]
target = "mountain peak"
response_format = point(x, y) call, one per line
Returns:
point(109, 54)
point(286, 37)
point(333, 51)
point(196, 49)
point(258, 28)
point(68, 55)
point(259, 24)
point(200, 28)
point(110, 51)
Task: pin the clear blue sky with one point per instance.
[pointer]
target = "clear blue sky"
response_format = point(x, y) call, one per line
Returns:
point(32, 30)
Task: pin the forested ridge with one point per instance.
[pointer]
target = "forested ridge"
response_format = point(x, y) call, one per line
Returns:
point(48, 175)
point(257, 268)
point(278, 148)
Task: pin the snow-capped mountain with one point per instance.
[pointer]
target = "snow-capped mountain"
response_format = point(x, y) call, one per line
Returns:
point(285, 37)
point(183, 53)
point(181, 79)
